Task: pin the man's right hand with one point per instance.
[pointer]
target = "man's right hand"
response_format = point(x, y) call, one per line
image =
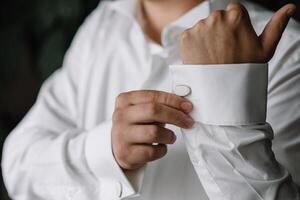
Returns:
point(138, 123)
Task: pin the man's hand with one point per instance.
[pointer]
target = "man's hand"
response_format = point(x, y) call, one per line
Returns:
point(227, 37)
point(138, 123)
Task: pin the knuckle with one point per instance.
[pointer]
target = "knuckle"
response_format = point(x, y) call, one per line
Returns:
point(153, 133)
point(153, 96)
point(168, 99)
point(153, 109)
point(214, 17)
point(236, 5)
point(216, 14)
point(199, 25)
point(185, 37)
point(236, 15)
point(116, 133)
point(117, 115)
point(238, 12)
point(121, 98)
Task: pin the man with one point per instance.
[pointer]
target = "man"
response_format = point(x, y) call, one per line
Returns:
point(115, 106)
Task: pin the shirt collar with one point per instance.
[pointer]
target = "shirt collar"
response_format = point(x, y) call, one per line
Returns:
point(171, 32)
point(125, 7)
point(128, 7)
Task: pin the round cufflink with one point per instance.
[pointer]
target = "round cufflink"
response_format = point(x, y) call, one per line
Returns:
point(182, 90)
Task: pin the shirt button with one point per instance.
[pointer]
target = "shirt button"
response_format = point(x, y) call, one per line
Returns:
point(182, 90)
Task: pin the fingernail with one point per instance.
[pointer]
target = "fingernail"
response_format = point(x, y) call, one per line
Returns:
point(187, 106)
point(174, 139)
point(189, 122)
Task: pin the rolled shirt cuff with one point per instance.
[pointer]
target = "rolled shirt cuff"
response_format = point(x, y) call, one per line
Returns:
point(229, 94)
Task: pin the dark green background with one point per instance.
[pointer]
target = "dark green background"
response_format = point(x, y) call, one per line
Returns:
point(34, 35)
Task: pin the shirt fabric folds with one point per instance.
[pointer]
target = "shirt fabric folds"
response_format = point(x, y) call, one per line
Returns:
point(245, 143)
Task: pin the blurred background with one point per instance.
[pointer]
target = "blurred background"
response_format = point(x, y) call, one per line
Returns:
point(34, 35)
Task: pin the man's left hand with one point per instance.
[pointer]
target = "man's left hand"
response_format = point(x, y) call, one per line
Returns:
point(228, 37)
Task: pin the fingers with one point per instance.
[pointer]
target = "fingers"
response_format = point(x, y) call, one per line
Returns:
point(146, 96)
point(141, 154)
point(236, 6)
point(214, 17)
point(149, 134)
point(236, 11)
point(135, 156)
point(235, 16)
point(154, 112)
point(233, 11)
point(139, 121)
point(272, 33)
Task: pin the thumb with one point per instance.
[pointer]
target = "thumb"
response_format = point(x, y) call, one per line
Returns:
point(272, 33)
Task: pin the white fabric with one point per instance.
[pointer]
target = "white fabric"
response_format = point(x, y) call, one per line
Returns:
point(62, 148)
point(251, 79)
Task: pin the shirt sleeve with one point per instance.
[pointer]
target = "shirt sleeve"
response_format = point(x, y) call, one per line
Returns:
point(230, 144)
point(100, 159)
point(49, 155)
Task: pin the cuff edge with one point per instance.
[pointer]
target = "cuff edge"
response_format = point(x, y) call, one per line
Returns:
point(218, 65)
point(108, 170)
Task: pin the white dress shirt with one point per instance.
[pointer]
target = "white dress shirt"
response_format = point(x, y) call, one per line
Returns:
point(62, 148)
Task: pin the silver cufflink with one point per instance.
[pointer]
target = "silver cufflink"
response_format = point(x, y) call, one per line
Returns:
point(182, 90)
